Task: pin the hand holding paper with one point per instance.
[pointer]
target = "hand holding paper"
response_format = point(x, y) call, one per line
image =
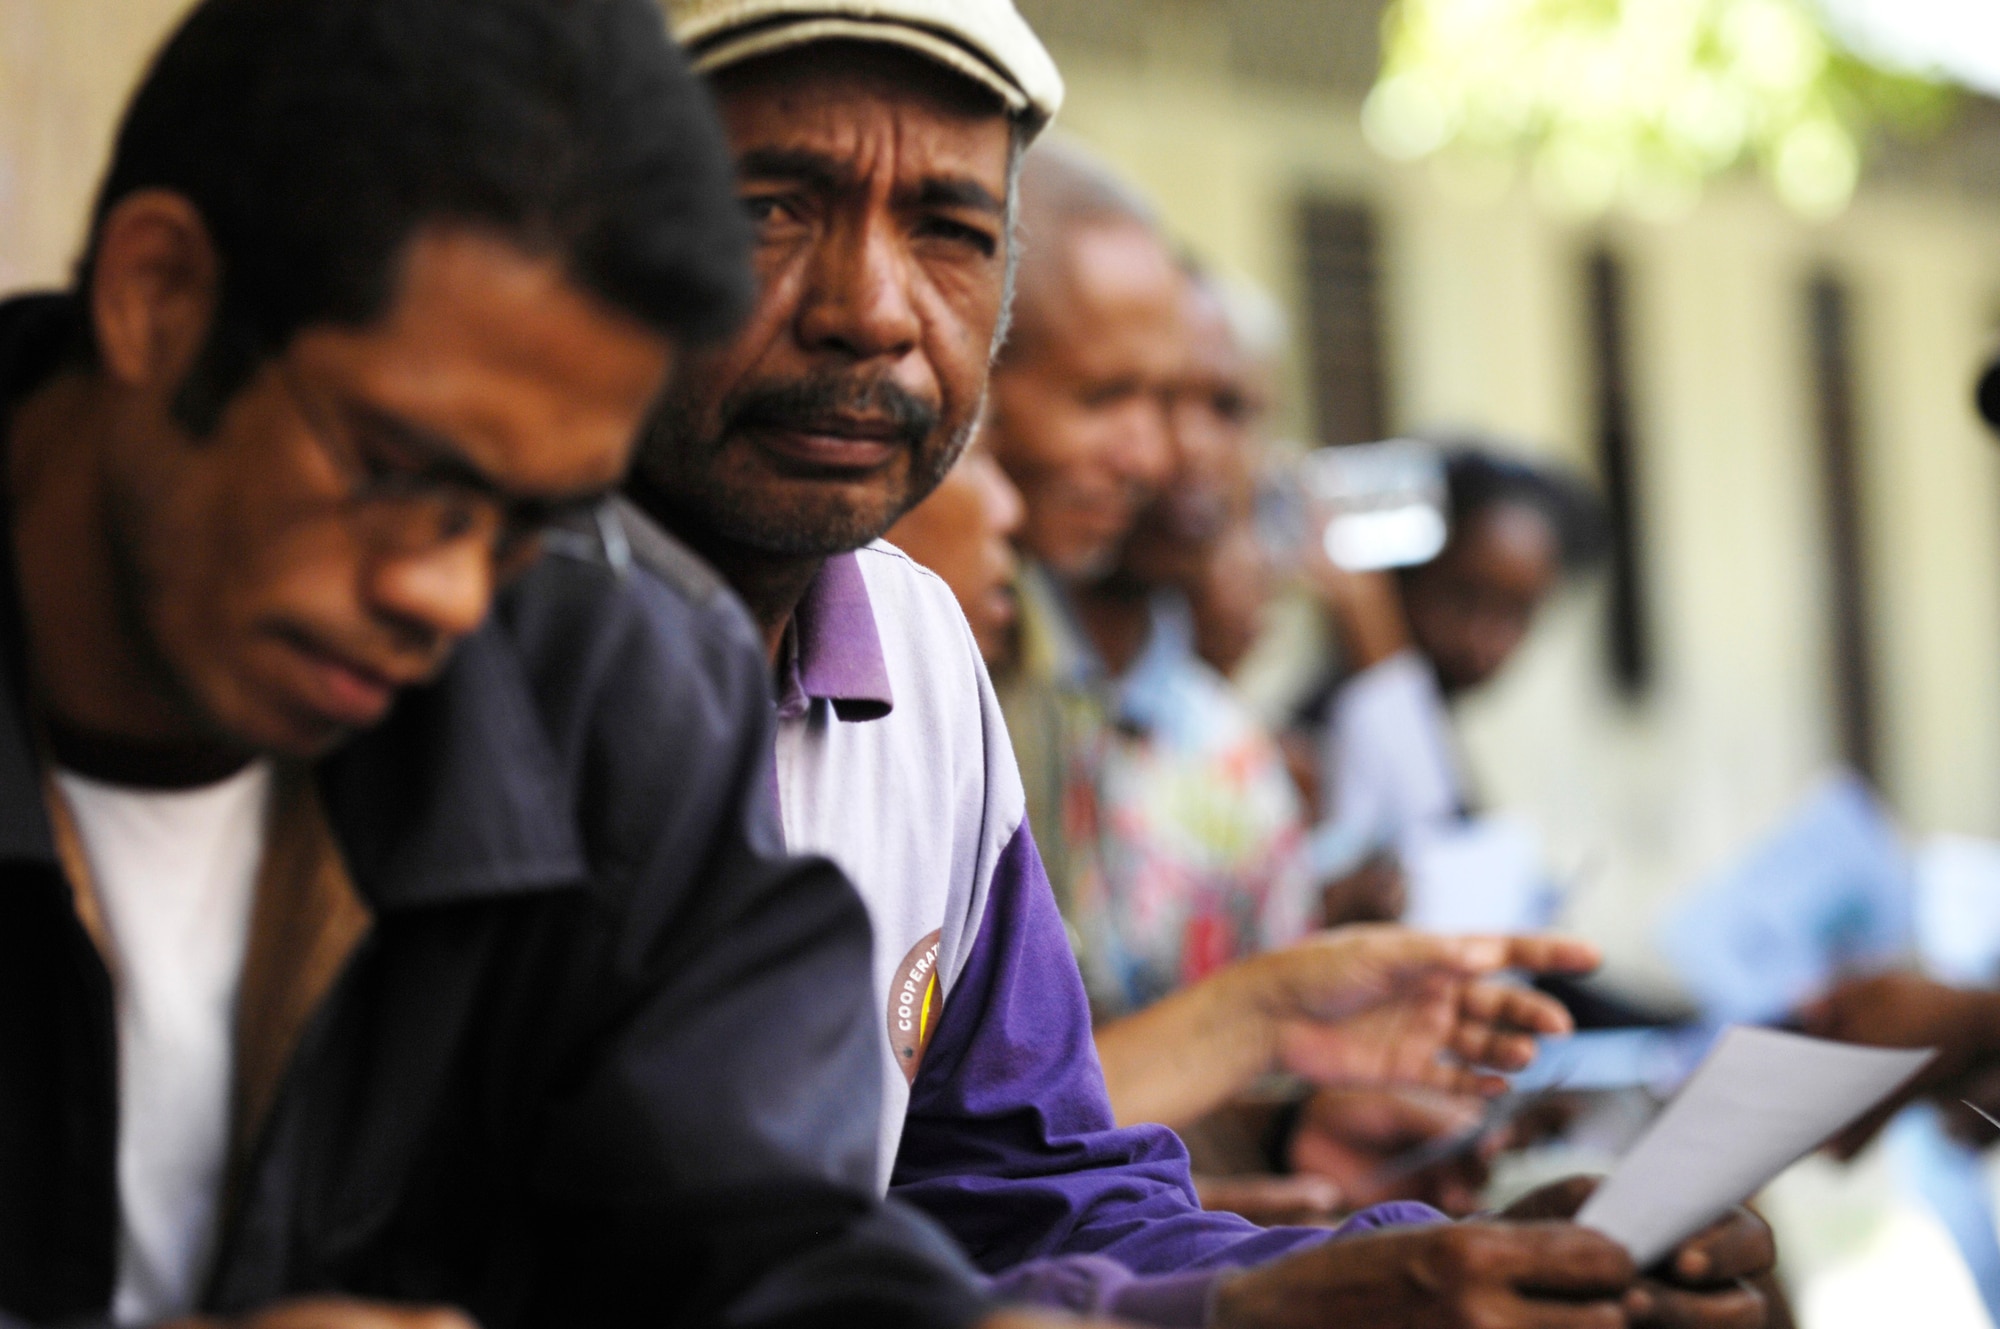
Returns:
point(1761, 1101)
point(1905, 1010)
point(1717, 1279)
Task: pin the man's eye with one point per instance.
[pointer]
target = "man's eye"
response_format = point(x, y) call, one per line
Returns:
point(1104, 396)
point(762, 209)
point(944, 228)
point(387, 471)
point(390, 474)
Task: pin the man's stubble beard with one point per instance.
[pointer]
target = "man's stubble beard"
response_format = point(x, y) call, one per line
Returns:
point(714, 509)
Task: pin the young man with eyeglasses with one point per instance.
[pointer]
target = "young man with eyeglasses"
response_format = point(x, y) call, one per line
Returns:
point(357, 942)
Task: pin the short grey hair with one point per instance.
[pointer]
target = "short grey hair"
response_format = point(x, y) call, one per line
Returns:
point(1021, 138)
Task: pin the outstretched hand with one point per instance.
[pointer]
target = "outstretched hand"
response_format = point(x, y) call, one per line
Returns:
point(1383, 1006)
point(1359, 1007)
point(1906, 1011)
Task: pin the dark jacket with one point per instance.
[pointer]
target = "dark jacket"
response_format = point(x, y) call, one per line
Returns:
point(607, 1055)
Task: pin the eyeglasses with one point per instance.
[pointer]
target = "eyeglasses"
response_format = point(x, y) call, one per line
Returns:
point(407, 497)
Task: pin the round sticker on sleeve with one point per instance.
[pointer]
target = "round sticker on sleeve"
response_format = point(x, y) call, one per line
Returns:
point(914, 1005)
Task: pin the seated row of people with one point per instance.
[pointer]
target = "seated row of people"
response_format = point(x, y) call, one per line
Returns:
point(1181, 846)
point(430, 888)
point(1116, 479)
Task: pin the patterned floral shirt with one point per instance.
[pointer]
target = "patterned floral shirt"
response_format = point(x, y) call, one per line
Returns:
point(1182, 838)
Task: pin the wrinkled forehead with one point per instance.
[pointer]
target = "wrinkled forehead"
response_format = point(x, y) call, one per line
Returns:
point(866, 108)
point(1116, 276)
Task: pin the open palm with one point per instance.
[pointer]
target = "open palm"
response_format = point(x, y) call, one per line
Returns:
point(1384, 1006)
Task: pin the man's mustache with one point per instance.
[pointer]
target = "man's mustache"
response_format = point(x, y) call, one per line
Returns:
point(830, 404)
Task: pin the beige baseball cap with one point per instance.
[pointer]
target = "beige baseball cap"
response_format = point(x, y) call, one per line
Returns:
point(986, 40)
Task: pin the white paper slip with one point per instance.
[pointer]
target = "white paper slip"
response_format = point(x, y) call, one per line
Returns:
point(1760, 1102)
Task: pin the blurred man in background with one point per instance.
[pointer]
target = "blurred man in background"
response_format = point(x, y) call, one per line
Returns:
point(1197, 857)
point(320, 978)
point(1231, 389)
point(1221, 407)
point(1082, 393)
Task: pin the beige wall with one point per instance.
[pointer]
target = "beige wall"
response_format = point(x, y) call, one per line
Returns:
point(1485, 329)
point(66, 67)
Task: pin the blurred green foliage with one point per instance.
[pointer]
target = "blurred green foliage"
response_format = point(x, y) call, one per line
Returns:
point(1637, 103)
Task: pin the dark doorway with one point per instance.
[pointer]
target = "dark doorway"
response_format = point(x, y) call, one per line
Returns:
point(1628, 634)
point(1343, 306)
point(1830, 313)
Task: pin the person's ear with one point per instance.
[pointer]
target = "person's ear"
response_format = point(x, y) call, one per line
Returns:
point(155, 278)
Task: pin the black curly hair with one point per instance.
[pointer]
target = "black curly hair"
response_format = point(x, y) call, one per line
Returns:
point(1479, 477)
point(315, 137)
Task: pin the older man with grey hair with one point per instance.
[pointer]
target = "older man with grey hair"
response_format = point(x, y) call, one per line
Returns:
point(877, 146)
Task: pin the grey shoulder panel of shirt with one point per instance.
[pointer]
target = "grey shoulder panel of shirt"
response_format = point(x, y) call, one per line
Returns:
point(618, 535)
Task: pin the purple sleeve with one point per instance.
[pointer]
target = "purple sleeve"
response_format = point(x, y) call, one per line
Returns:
point(1010, 1142)
point(1094, 1285)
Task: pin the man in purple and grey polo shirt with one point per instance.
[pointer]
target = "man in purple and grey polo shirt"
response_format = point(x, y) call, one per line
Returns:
point(875, 147)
